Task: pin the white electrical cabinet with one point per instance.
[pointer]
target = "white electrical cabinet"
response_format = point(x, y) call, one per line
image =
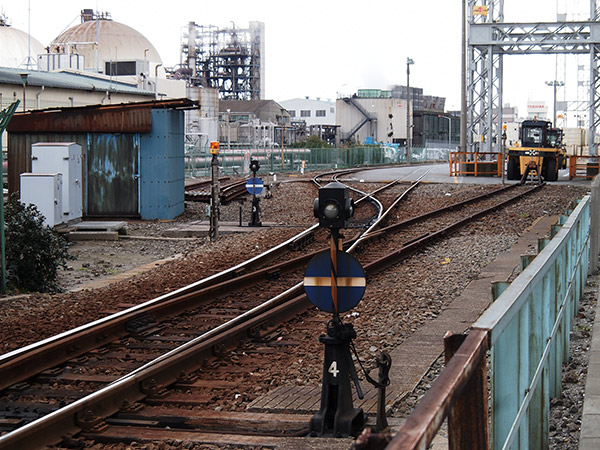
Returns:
point(64, 158)
point(44, 190)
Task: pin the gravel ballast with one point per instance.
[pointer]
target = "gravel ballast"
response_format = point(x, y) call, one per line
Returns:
point(436, 276)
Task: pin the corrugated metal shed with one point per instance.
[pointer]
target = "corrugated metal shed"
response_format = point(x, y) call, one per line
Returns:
point(133, 154)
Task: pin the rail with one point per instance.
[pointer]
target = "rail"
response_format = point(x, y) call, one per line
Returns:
point(583, 166)
point(527, 329)
point(164, 370)
point(475, 164)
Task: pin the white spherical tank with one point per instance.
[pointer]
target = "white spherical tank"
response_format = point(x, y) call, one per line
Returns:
point(116, 42)
point(17, 47)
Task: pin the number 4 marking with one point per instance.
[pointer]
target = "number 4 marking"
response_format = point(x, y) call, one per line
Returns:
point(333, 369)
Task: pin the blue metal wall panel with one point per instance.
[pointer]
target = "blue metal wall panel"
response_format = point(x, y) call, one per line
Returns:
point(162, 168)
point(112, 169)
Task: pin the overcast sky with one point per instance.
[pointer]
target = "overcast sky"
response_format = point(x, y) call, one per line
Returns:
point(323, 48)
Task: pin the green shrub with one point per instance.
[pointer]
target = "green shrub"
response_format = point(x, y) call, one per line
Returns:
point(34, 252)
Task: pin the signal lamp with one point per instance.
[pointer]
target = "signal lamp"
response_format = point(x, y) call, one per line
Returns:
point(334, 206)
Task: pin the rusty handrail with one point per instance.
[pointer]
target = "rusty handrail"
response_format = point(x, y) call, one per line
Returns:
point(465, 373)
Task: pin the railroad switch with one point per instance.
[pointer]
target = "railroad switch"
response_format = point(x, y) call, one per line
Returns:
point(384, 363)
point(337, 415)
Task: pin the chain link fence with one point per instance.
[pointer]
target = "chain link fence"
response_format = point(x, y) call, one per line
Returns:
point(236, 161)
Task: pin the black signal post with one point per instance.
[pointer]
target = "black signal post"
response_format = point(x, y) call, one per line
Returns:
point(337, 415)
point(255, 218)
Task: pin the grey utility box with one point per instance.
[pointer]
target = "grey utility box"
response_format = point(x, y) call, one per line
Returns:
point(64, 158)
point(44, 190)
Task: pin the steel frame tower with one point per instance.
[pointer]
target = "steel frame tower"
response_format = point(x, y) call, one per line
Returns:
point(489, 39)
point(230, 60)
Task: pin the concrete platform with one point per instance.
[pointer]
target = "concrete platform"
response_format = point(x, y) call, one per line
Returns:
point(99, 225)
point(96, 230)
point(93, 236)
point(440, 173)
point(589, 436)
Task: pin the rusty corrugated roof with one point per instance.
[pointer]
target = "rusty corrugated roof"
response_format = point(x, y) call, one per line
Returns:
point(121, 118)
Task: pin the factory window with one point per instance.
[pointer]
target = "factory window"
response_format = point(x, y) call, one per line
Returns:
point(331, 109)
point(305, 113)
point(117, 68)
point(292, 113)
point(320, 113)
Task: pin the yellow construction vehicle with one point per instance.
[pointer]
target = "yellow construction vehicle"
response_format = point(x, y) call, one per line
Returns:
point(540, 151)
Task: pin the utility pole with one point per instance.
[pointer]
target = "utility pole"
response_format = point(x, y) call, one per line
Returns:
point(282, 137)
point(408, 127)
point(554, 84)
point(213, 231)
point(463, 82)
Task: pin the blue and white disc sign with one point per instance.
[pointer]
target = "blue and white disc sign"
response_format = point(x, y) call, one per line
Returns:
point(350, 281)
point(254, 185)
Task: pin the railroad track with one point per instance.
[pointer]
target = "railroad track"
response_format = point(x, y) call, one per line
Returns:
point(229, 190)
point(139, 332)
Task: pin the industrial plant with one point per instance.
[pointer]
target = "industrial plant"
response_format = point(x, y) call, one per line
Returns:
point(231, 60)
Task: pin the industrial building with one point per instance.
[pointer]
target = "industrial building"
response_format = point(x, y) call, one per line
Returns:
point(40, 89)
point(380, 116)
point(231, 60)
point(313, 117)
point(254, 124)
point(98, 61)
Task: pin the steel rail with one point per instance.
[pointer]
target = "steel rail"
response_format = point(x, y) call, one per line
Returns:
point(27, 361)
point(163, 371)
point(384, 215)
point(427, 215)
point(132, 387)
point(72, 338)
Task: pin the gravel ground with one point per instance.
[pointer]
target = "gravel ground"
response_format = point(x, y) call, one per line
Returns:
point(30, 318)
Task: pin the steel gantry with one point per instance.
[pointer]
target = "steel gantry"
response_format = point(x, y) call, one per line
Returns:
point(489, 38)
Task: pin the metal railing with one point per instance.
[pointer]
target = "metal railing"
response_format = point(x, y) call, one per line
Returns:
point(527, 329)
point(583, 166)
point(484, 164)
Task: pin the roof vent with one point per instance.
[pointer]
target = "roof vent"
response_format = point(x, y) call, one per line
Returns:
point(87, 15)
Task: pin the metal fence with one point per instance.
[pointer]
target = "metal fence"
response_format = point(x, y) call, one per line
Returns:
point(236, 161)
point(527, 329)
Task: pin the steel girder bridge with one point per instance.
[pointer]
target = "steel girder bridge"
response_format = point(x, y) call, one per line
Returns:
point(490, 38)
